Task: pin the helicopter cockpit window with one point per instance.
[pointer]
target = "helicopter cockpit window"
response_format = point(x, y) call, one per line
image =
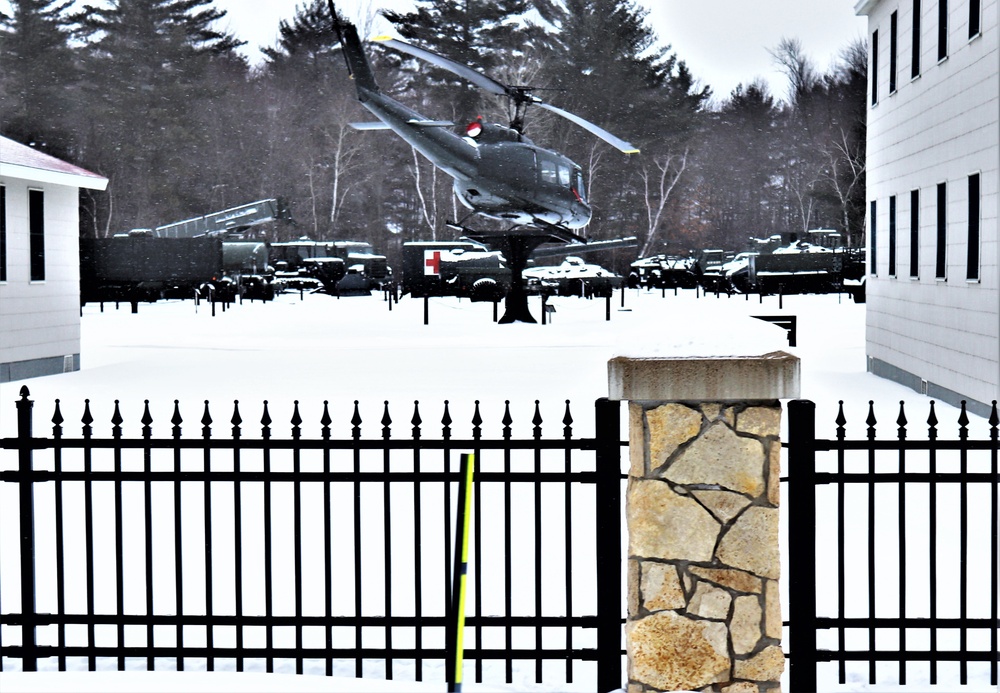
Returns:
point(564, 175)
point(578, 185)
point(547, 167)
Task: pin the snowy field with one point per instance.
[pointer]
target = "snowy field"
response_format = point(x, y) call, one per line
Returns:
point(315, 348)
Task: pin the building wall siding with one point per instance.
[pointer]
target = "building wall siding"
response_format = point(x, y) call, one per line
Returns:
point(40, 321)
point(941, 126)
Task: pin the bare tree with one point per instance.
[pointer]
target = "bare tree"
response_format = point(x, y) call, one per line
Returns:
point(659, 181)
point(791, 59)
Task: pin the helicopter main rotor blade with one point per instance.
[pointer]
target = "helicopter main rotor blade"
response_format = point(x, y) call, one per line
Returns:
point(477, 78)
point(614, 141)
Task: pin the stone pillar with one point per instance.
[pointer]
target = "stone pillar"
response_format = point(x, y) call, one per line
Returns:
point(702, 514)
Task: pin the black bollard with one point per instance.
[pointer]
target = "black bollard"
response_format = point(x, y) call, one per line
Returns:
point(427, 310)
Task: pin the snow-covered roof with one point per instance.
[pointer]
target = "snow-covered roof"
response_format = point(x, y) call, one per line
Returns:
point(20, 161)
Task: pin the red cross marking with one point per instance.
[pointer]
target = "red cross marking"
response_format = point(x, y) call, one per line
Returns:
point(432, 262)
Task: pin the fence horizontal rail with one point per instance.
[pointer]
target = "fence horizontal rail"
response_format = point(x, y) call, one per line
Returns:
point(823, 478)
point(889, 655)
point(295, 444)
point(909, 622)
point(315, 477)
point(247, 620)
point(895, 445)
point(317, 653)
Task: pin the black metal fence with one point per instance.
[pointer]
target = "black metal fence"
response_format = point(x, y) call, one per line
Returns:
point(325, 555)
point(894, 551)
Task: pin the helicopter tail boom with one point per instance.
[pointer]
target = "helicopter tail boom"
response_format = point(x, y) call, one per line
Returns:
point(357, 61)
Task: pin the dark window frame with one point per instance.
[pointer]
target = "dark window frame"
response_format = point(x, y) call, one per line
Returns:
point(36, 234)
point(975, 18)
point(3, 233)
point(873, 239)
point(915, 57)
point(975, 225)
point(942, 29)
point(893, 48)
point(941, 245)
point(892, 236)
point(915, 234)
point(874, 67)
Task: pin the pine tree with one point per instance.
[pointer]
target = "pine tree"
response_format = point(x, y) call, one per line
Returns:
point(612, 69)
point(38, 75)
point(145, 82)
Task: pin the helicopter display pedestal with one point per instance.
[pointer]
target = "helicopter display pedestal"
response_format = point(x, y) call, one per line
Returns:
point(517, 245)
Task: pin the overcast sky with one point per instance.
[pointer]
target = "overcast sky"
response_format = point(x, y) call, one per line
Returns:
point(724, 42)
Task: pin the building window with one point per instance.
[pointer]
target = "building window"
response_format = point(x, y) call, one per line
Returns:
point(3, 234)
point(873, 240)
point(942, 29)
point(874, 67)
point(36, 234)
point(942, 231)
point(972, 266)
point(915, 58)
point(914, 233)
point(892, 236)
point(893, 24)
point(974, 18)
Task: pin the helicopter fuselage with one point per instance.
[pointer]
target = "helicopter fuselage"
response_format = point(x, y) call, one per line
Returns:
point(499, 174)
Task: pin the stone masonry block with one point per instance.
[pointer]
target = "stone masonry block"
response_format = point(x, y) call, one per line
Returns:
point(736, 580)
point(670, 426)
point(745, 626)
point(661, 587)
point(665, 525)
point(751, 544)
point(721, 458)
point(710, 602)
point(672, 653)
point(725, 505)
point(765, 666)
point(772, 618)
point(636, 432)
point(763, 422)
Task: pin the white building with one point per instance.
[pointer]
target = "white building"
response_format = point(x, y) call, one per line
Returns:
point(933, 161)
point(39, 261)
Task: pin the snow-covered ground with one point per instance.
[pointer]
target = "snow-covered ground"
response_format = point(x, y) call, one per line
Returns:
point(314, 348)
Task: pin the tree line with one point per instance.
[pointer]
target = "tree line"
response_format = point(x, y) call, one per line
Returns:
point(152, 95)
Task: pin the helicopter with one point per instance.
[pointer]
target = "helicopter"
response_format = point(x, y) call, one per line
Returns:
point(498, 172)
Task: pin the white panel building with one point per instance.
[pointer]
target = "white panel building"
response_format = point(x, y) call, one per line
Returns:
point(933, 162)
point(39, 261)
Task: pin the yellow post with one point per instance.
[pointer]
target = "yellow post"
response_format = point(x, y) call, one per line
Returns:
point(456, 650)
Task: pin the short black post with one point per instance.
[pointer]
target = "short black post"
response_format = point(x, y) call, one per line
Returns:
point(427, 310)
point(609, 549)
point(496, 305)
point(544, 318)
point(29, 662)
point(623, 295)
point(607, 308)
point(802, 545)
point(135, 307)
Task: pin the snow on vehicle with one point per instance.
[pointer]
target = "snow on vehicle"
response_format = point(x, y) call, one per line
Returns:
point(573, 277)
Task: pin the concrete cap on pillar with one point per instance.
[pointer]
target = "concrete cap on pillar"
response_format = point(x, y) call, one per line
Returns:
point(767, 377)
